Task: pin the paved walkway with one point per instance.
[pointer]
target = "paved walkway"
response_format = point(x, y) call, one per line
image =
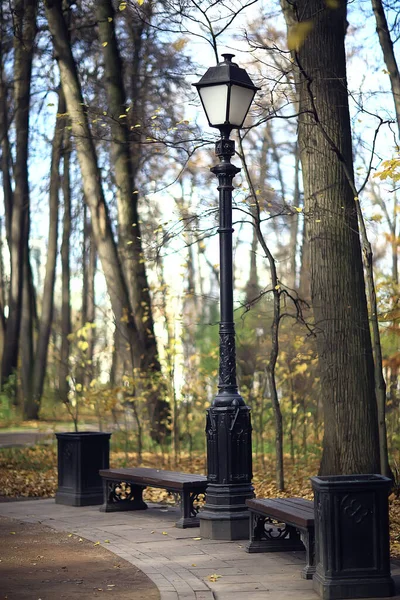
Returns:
point(22, 438)
point(178, 561)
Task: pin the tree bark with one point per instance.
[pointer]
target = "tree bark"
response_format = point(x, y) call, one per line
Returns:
point(129, 234)
point(63, 385)
point(351, 441)
point(388, 54)
point(30, 409)
point(25, 32)
point(91, 180)
point(46, 317)
point(88, 300)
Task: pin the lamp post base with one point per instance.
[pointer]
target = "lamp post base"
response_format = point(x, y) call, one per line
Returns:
point(225, 516)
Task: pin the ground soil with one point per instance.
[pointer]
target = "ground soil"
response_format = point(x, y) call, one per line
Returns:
point(38, 563)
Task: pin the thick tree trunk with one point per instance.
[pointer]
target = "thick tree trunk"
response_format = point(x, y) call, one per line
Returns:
point(25, 32)
point(63, 385)
point(351, 441)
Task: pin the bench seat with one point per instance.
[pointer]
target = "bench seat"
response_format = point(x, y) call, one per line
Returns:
point(267, 534)
point(123, 490)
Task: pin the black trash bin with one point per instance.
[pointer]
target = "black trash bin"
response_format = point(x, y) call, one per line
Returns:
point(80, 457)
point(352, 537)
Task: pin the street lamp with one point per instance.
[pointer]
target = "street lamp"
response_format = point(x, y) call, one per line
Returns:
point(226, 93)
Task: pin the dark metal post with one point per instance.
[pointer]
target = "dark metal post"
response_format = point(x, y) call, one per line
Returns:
point(228, 429)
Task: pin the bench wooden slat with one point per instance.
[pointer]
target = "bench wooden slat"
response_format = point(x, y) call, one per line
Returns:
point(293, 511)
point(173, 480)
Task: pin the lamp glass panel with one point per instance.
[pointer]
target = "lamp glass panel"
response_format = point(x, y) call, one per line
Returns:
point(241, 98)
point(214, 98)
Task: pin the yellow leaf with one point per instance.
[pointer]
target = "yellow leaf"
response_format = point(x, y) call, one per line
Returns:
point(197, 539)
point(109, 19)
point(214, 577)
point(96, 544)
point(140, 2)
point(12, 532)
point(105, 44)
point(164, 533)
point(298, 208)
point(122, 6)
point(179, 44)
point(106, 541)
point(298, 34)
point(122, 117)
point(333, 4)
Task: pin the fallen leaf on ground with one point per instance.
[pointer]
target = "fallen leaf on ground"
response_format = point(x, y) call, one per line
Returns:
point(214, 577)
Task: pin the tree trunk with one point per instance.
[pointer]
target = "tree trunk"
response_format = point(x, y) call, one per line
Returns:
point(46, 317)
point(31, 410)
point(351, 441)
point(129, 234)
point(25, 32)
point(394, 75)
point(63, 385)
point(388, 54)
point(2, 294)
point(5, 152)
point(88, 299)
point(91, 180)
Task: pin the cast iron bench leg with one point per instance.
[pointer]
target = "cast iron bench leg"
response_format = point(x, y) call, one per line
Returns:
point(122, 495)
point(266, 537)
point(189, 511)
point(308, 539)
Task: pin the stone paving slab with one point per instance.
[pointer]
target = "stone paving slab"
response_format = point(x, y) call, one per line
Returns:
point(178, 561)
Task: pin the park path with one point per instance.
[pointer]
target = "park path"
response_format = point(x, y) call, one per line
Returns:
point(178, 561)
point(22, 438)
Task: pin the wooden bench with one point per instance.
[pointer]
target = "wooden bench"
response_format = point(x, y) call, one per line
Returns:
point(268, 535)
point(123, 490)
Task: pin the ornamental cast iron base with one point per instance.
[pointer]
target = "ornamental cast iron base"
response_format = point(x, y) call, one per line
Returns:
point(80, 457)
point(347, 588)
point(225, 516)
point(352, 537)
point(122, 496)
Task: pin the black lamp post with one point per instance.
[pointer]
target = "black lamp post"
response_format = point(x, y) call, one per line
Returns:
point(226, 92)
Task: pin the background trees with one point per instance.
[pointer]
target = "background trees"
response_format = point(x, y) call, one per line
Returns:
point(101, 156)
